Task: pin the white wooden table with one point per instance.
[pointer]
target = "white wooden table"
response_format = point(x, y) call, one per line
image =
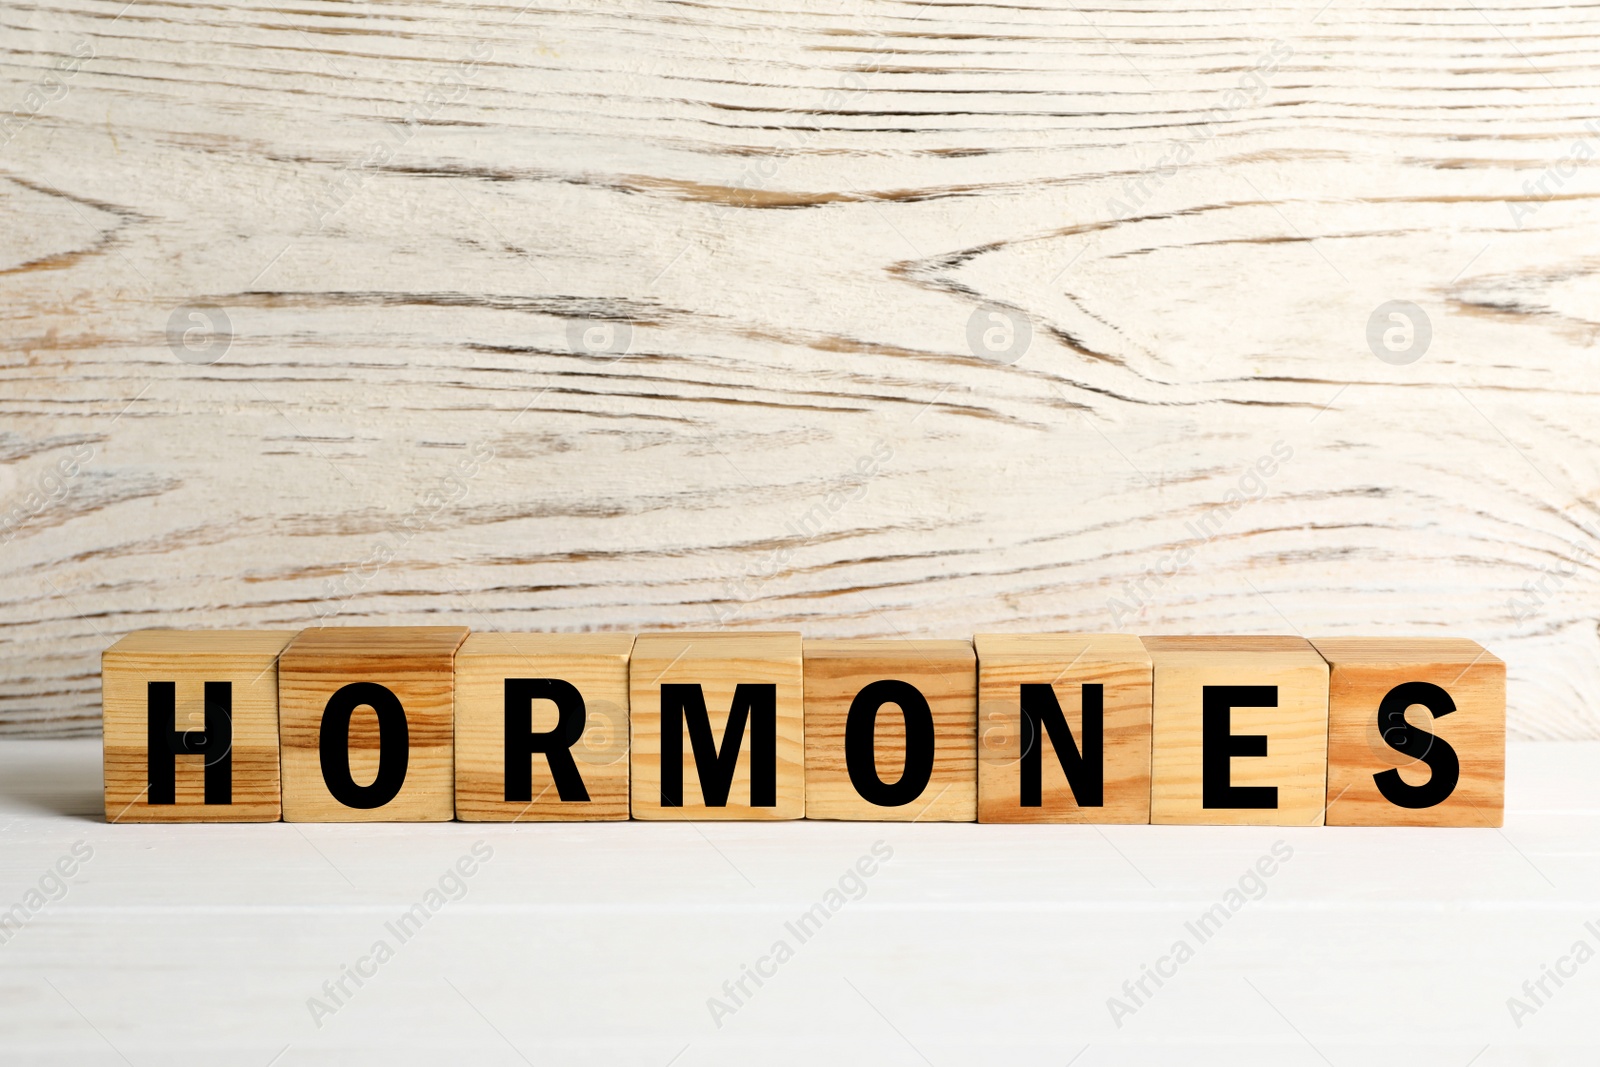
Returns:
point(969, 945)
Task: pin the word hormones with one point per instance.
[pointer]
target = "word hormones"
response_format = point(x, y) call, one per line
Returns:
point(394, 724)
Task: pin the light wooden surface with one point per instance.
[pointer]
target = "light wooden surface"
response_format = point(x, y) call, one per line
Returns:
point(248, 661)
point(1066, 662)
point(1361, 672)
point(945, 673)
point(415, 664)
point(602, 943)
point(718, 663)
point(594, 664)
point(798, 216)
point(1294, 726)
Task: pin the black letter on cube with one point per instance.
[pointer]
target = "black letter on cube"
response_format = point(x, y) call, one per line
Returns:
point(1417, 743)
point(860, 756)
point(1086, 773)
point(394, 745)
point(757, 703)
point(1218, 746)
point(165, 742)
point(556, 744)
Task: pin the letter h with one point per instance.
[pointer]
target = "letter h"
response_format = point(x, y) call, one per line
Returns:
point(167, 742)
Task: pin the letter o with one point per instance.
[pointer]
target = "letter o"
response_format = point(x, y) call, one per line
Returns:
point(394, 745)
point(860, 757)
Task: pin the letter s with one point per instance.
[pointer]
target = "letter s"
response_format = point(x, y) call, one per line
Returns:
point(1417, 743)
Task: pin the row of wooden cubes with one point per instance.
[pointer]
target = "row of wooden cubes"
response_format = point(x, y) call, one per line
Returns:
point(433, 723)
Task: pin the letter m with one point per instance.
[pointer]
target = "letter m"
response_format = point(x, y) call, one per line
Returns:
point(754, 704)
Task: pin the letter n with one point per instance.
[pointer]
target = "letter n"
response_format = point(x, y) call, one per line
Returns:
point(1085, 770)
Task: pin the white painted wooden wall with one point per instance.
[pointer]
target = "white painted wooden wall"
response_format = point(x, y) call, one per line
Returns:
point(642, 314)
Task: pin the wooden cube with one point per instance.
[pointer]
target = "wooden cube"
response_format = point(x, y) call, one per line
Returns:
point(1239, 731)
point(366, 716)
point(891, 730)
point(542, 727)
point(191, 725)
point(717, 727)
point(1446, 765)
point(1063, 728)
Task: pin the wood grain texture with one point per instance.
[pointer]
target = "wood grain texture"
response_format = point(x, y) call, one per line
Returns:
point(245, 659)
point(945, 673)
point(1294, 727)
point(1065, 662)
point(431, 229)
point(1361, 672)
point(718, 663)
point(596, 665)
point(416, 665)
